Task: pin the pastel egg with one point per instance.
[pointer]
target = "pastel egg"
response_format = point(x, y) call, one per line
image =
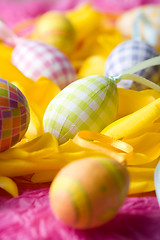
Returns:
point(14, 115)
point(88, 192)
point(146, 18)
point(126, 55)
point(87, 104)
point(36, 59)
point(55, 29)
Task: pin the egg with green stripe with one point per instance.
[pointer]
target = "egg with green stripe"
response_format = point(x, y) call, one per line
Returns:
point(86, 104)
point(88, 192)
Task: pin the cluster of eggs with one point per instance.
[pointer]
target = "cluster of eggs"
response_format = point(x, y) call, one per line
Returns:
point(88, 192)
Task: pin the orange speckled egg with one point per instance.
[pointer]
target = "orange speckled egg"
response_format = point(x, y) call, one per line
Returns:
point(88, 192)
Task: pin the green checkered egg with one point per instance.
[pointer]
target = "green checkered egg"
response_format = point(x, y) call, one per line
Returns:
point(87, 104)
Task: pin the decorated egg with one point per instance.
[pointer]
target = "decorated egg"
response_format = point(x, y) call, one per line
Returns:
point(36, 59)
point(14, 115)
point(55, 29)
point(126, 55)
point(88, 192)
point(146, 19)
point(87, 104)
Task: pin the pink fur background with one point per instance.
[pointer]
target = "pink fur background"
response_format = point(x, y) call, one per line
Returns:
point(29, 216)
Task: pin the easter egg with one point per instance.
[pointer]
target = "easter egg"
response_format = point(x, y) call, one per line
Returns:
point(88, 192)
point(55, 29)
point(126, 55)
point(36, 59)
point(146, 19)
point(14, 115)
point(87, 104)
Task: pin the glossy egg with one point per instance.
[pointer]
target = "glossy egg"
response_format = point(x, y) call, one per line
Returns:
point(126, 55)
point(87, 104)
point(88, 192)
point(36, 59)
point(14, 115)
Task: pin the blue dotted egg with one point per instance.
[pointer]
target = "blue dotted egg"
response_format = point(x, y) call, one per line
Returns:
point(126, 55)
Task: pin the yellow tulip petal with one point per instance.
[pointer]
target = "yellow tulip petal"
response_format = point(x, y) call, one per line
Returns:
point(5, 51)
point(130, 101)
point(70, 146)
point(147, 144)
point(141, 187)
point(134, 122)
point(10, 73)
point(35, 128)
point(9, 186)
point(141, 180)
point(45, 141)
point(46, 90)
point(139, 159)
point(45, 176)
point(81, 16)
point(92, 66)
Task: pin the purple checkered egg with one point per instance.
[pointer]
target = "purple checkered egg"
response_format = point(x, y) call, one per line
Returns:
point(14, 115)
point(126, 55)
point(36, 59)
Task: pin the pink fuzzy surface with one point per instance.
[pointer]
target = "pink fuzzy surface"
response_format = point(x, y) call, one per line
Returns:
point(15, 11)
point(29, 216)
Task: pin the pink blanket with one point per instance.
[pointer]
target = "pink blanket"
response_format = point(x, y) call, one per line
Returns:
point(14, 11)
point(29, 216)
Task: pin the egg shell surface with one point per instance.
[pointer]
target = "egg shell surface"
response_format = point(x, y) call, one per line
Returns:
point(88, 192)
point(125, 22)
point(87, 104)
point(126, 55)
point(55, 29)
point(36, 59)
point(14, 115)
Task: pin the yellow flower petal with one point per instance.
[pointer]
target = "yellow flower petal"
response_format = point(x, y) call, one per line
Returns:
point(141, 179)
point(130, 101)
point(93, 65)
point(85, 20)
point(44, 176)
point(9, 186)
point(5, 51)
point(134, 122)
point(147, 144)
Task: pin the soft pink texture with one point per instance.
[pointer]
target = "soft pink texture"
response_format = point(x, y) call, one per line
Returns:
point(13, 12)
point(29, 217)
point(117, 6)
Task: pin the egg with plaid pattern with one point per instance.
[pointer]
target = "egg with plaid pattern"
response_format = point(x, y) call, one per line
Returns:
point(126, 55)
point(86, 104)
point(36, 59)
point(14, 115)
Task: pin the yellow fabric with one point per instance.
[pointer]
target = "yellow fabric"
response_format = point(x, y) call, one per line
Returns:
point(9, 186)
point(38, 94)
point(43, 158)
point(5, 51)
point(141, 130)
